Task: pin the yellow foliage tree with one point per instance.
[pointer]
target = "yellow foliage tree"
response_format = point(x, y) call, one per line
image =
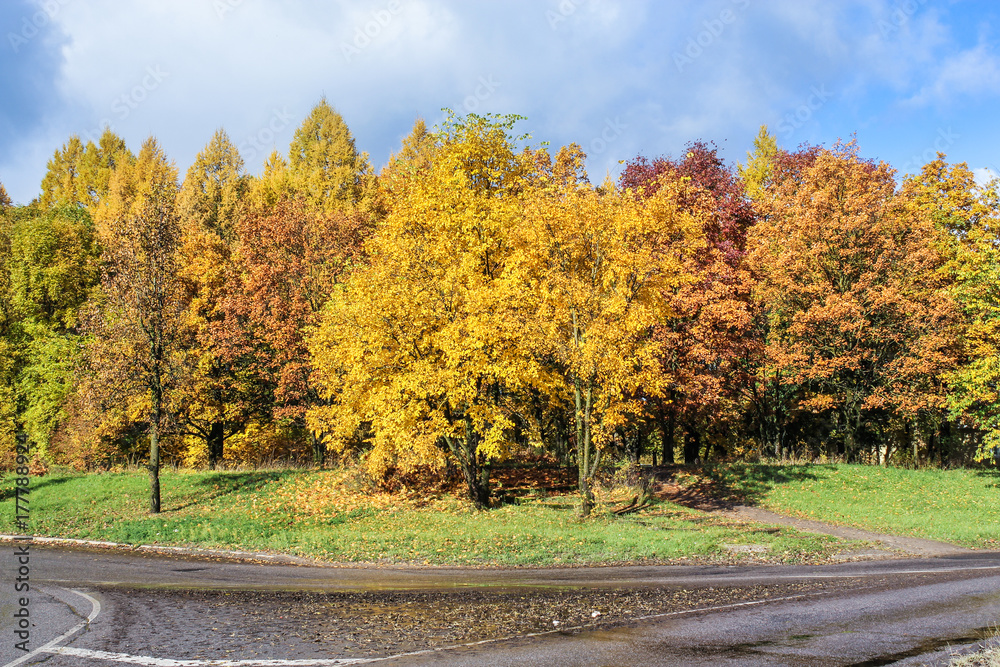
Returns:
point(423, 347)
point(598, 261)
point(756, 174)
point(207, 206)
point(324, 164)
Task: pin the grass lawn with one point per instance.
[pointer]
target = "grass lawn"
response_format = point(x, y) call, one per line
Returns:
point(958, 506)
point(322, 514)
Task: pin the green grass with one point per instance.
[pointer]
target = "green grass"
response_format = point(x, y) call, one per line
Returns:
point(310, 513)
point(958, 506)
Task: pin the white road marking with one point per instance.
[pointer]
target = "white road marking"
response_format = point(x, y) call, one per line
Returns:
point(96, 609)
point(727, 606)
point(148, 661)
point(145, 661)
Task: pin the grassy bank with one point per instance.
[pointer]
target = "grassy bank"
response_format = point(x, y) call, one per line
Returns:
point(958, 506)
point(323, 514)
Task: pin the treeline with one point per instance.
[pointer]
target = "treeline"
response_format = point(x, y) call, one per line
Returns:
point(478, 299)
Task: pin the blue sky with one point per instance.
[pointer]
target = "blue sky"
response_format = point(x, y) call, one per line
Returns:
point(621, 78)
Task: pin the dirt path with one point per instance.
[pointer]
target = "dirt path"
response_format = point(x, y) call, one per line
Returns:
point(707, 497)
point(911, 545)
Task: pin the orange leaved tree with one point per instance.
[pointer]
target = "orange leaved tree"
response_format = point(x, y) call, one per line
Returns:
point(858, 317)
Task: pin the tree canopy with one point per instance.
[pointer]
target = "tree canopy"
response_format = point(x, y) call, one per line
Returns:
point(480, 302)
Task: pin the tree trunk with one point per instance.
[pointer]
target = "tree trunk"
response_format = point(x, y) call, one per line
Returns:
point(944, 444)
point(667, 426)
point(154, 455)
point(474, 487)
point(586, 461)
point(692, 444)
point(318, 450)
point(476, 476)
point(216, 438)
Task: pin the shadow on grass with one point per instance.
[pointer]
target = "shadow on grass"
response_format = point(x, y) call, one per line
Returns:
point(720, 485)
point(750, 483)
point(222, 484)
point(991, 476)
point(7, 492)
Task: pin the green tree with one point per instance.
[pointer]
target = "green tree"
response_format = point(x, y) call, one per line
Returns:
point(53, 268)
point(8, 402)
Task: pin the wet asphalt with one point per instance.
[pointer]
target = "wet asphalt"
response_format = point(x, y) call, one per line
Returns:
point(200, 611)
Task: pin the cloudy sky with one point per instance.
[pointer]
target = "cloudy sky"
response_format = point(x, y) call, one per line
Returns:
point(620, 77)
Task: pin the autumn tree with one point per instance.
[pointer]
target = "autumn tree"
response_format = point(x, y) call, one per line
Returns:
point(212, 403)
point(772, 401)
point(851, 287)
point(599, 261)
point(5, 201)
point(421, 347)
point(79, 175)
point(707, 341)
point(967, 218)
point(324, 165)
point(274, 184)
point(62, 183)
point(412, 158)
point(138, 327)
point(289, 260)
point(756, 174)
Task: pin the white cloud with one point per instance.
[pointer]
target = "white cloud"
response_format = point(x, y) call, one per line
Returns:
point(971, 72)
point(180, 70)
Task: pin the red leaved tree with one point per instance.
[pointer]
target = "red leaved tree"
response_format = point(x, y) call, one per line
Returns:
point(708, 340)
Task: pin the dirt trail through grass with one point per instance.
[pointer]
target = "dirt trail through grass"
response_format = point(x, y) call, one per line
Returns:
point(912, 545)
point(739, 498)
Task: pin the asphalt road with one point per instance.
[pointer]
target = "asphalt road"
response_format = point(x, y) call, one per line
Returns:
point(103, 608)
